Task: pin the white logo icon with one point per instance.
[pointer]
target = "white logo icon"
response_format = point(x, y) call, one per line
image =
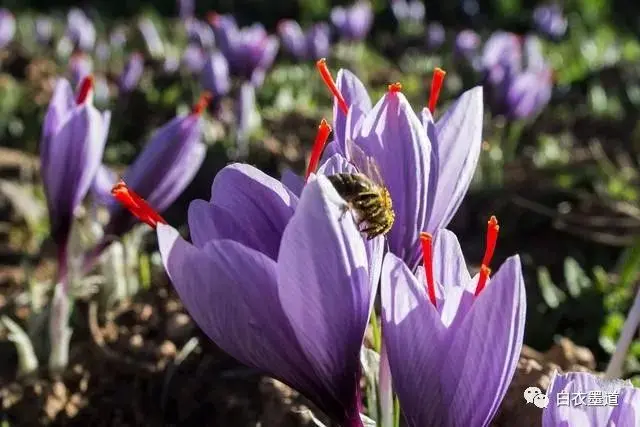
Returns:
point(534, 395)
point(530, 393)
point(541, 401)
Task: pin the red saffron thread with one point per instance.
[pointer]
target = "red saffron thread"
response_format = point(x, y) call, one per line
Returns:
point(321, 65)
point(492, 238)
point(436, 87)
point(86, 85)
point(427, 256)
point(318, 147)
point(136, 205)
point(203, 103)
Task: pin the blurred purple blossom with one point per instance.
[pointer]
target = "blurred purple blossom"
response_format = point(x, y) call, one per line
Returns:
point(310, 45)
point(186, 8)
point(200, 33)
point(250, 51)
point(353, 22)
point(80, 30)
point(550, 20)
point(624, 413)
point(408, 11)
point(435, 35)
point(103, 51)
point(193, 58)
point(132, 72)
point(118, 38)
point(467, 44)
point(214, 74)
point(7, 27)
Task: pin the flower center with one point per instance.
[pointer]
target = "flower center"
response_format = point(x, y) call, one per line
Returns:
point(136, 205)
point(321, 65)
point(492, 238)
point(427, 257)
point(202, 104)
point(86, 86)
point(318, 147)
point(436, 87)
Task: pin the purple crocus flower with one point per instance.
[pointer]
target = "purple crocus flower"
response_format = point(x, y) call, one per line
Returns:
point(132, 73)
point(289, 265)
point(193, 58)
point(214, 75)
point(80, 30)
point(435, 35)
point(44, 29)
point(224, 28)
point(598, 409)
point(467, 43)
point(528, 93)
point(441, 156)
point(353, 23)
point(200, 33)
point(7, 27)
point(550, 21)
point(165, 167)
point(408, 11)
point(250, 51)
point(452, 344)
point(186, 8)
point(312, 45)
point(73, 138)
point(80, 66)
point(151, 37)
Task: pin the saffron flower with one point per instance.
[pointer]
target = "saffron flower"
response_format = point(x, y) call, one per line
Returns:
point(289, 314)
point(619, 402)
point(310, 45)
point(250, 51)
point(165, 167)
point(200, 33)
point(411, 11)
point(354, 22)
point(550, 21)
point(73, 139)
point(453, 341)
point(467, 44)
point(80, 30)
point(132, 73)
point(214, 75)
point(426, 166)
point(7, 27)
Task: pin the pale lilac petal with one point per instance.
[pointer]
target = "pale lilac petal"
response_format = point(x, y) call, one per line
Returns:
point(293, 181)
point(356, 96)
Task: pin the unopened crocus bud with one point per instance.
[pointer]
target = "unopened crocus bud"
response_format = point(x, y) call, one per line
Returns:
point(7, 27)
point(164, 168)
point(132, 73)
point(44, 30)
point(318, 41)
point(151, 37)
point(80, 30)
point(73, 138)
point(435, 35)
point(80, 66)
point(214, 76)
point(353, 23)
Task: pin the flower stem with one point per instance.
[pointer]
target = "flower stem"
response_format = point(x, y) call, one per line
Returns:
point(614, 369)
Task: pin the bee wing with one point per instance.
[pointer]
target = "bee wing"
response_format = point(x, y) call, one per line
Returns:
point(365, 164)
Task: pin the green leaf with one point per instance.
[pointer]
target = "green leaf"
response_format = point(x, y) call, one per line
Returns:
point(551, 294)
point(575, 277)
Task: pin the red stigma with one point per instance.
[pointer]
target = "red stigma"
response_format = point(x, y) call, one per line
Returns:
point(321, 65)
point(136, 205)
point(318, 147)
point(427, 256)
point(436, 87)
point(86, 85)
point(395, 87)
point(492, 238)
point(202, 104)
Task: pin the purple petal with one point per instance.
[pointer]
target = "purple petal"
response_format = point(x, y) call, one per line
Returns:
point(214, 76)
point(247, 206)
point(292, 37)
point(336, 164)
point(393, 136)
point(355, 94)
point(325, 287)
point(457, 148)
point(293, 181)
point(103, 182)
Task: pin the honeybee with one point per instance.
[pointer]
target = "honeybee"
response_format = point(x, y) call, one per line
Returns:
point(365, 194)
